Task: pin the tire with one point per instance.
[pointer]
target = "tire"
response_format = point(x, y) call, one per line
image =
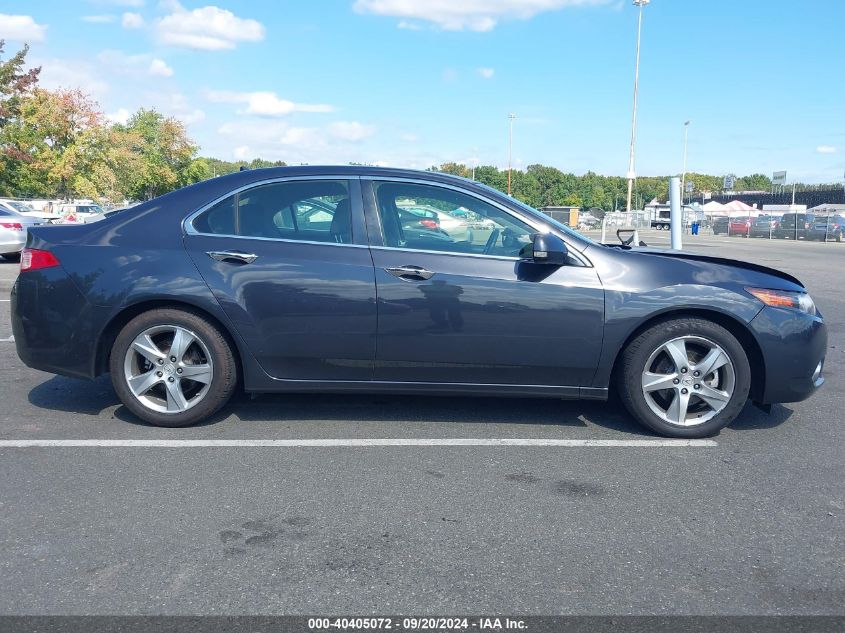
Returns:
point(727, 387)
point(12, 257)
point(203, 353)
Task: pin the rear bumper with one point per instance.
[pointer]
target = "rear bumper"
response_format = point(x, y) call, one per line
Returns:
point(12, 246)
point(794, 347)
point(52, 324)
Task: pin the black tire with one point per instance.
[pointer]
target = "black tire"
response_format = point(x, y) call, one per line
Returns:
point(634, 359)
point(224, 378)
point(12, 257)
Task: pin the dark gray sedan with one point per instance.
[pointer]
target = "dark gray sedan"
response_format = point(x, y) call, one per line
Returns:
point(302, 279)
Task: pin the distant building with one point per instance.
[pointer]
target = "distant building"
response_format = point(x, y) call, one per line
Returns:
point(566, 215)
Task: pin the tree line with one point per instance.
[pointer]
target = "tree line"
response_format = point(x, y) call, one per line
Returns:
point(58, 144)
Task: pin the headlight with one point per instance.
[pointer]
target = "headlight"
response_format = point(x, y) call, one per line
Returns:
point(785, 299)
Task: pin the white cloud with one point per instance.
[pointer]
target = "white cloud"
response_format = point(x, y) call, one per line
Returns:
point(486, 73)
point(132, 20)
point(98, 19)
point(21, 28)
point(265, 103)
point(68, 74)
point(121, 3)
point(138, 66)
point(352, 131)
point(473, 15)
point(826, 149)
point(336, 143)
point(159, 68)
point(121, 115)
point(208, 28)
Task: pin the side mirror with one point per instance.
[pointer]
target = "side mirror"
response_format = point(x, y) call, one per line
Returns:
point(545, 248)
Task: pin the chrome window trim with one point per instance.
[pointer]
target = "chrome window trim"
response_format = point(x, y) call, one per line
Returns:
point(427, 252)
point(279, 239)
point(188, 226)
point(530, 221)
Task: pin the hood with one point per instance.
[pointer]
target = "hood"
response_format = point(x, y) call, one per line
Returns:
point(721, 261)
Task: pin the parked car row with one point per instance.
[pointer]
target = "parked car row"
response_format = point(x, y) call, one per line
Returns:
point(805, 226)
point(17, 217)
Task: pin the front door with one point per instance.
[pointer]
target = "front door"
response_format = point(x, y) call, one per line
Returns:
point(460, 306)
point(289, 264)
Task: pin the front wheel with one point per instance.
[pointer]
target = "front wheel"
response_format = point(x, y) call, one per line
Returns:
point(172, 367)
point(685, 378)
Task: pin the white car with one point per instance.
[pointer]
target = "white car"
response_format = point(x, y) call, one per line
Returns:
point(27, 210)
point(80, 213)
point(13, 228)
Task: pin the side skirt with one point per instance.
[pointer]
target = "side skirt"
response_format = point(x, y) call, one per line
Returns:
point(432, 388)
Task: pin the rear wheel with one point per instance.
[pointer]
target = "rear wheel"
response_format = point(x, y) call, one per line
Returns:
point(172, 367)
point(685, 378)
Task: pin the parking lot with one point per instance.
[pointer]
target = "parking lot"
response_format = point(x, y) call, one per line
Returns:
point(749, 523)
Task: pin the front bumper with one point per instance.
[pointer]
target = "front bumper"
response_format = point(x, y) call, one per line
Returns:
point(794, 345)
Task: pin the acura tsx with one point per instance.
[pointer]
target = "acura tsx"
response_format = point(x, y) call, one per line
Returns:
point(303, 279)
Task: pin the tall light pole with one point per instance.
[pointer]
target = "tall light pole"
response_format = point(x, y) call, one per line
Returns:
point(631, 173)
point(684, 175)
point(511, 117)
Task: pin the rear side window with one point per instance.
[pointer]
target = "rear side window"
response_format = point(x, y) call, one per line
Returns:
point(309, 210)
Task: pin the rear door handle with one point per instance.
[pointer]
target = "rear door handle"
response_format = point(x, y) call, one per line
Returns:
point(232, 256)
point(410, 273)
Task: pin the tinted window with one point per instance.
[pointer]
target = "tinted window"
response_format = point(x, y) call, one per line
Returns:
point(426, 217)
point(313, 210)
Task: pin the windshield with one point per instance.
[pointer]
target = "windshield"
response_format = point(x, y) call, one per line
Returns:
point(22, 207)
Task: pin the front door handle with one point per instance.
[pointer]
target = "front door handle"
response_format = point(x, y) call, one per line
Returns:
point(232, 256)
point(410, 273)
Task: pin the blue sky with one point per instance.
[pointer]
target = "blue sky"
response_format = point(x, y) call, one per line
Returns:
point(419, 82)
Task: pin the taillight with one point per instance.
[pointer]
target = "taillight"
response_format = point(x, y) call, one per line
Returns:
point(35, 259)
point(429, 224)
point(806, 225)
point(15, 226)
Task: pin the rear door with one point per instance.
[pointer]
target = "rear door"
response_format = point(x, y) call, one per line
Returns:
point(289, 264)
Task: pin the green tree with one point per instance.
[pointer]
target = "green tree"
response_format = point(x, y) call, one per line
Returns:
point(15, 83)
point(167, 155)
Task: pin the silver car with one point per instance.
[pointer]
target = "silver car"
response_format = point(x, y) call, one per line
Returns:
point(13, 229)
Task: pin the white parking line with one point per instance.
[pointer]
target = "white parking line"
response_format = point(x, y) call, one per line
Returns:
point(11, 339)
point(354, 443)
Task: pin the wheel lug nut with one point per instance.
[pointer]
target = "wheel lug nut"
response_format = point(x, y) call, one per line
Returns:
point(683, 391)
point(159, 374)
point(683, 370)
point(171, 379)
point(697, 386)
point(172, 359)
point(179, 371)
point(676, 381)
point(161, 361)
point(696, 373)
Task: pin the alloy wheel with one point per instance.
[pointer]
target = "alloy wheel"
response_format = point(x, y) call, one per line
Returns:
point(168, 368)
point(688, 380)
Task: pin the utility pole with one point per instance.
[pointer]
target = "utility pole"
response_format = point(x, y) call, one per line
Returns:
point(511, 117)
point(684, 174)
point(631, 173)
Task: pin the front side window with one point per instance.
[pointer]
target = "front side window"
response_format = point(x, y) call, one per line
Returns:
point(425, 217)
point(309, 210)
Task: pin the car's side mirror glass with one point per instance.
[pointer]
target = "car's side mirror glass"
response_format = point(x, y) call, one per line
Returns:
point(545, 248)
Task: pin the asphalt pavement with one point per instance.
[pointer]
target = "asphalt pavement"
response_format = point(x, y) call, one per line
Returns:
point(751, 523)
